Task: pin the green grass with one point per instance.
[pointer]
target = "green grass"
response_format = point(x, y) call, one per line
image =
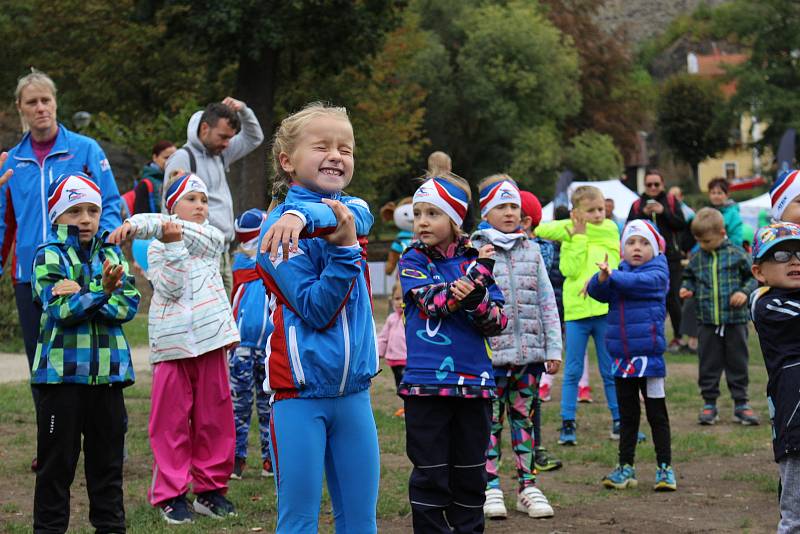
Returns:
point(572, 488)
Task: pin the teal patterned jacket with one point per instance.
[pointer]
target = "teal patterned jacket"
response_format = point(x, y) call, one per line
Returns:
point(80, 337)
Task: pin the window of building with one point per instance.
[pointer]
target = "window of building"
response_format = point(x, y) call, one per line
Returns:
point(730, 170)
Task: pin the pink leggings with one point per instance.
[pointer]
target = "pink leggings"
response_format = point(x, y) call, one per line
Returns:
point(191, 428)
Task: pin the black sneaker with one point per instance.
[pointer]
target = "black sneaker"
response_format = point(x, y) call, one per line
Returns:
point(543, 461)
point(176, 511)
point(213, 504)
point(238, 468)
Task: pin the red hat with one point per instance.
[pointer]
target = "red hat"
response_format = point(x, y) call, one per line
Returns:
point(531, 207)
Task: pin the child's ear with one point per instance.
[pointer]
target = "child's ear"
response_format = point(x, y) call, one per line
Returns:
point(286, 162)
point(756, 270)
point(526, 222)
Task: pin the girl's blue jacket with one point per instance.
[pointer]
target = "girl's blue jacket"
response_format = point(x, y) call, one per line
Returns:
point(324, 342)
point(636, 299)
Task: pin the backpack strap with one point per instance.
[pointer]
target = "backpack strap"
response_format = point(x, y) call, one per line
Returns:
point(192, 160)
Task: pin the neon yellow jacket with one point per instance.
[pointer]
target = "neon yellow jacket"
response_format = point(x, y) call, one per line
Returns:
point(579, 255)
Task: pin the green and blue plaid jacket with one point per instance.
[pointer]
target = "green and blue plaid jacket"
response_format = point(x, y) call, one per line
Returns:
point(80, 337)
point(715, 276)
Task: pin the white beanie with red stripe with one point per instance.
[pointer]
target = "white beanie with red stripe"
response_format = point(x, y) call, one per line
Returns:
point(642, 228)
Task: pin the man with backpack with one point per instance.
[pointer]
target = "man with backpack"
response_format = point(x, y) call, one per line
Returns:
point(216, 137)
point(664, 211)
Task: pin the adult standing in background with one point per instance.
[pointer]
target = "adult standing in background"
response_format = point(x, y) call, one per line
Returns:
point(216, 137)
point(148, 196)
point(47, 150)
point(663, 210)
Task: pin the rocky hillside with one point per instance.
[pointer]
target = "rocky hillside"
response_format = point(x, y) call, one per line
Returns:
point(639, 19)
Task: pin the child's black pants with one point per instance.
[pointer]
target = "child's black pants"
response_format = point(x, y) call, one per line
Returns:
point(67, 412)
point(446, 440)
point(629, 413)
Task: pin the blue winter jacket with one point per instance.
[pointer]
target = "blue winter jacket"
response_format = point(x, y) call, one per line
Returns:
point(250, 303)
point(324, 342)
point(636, 315)
point(23, 199)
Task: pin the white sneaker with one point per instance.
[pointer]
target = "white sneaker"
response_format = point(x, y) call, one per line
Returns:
point(533, 502)
point(494, 507)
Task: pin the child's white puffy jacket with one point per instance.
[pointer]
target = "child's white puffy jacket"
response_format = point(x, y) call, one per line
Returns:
point(189, 313)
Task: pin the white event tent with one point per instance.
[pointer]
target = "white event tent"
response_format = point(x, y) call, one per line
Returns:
point(623, 198)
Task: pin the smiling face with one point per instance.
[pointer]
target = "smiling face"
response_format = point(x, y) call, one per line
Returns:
point(192, 207)
point(775, 274)
point(505, 217)
point(717, 196)
point(432, 226)
point(322, 159)
point(86, 217)
point(653, 185)
point(594, 209)
point(637, 251)
point(37, 106)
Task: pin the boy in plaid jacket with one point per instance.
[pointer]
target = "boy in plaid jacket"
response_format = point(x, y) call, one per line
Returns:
point(82, 359)
point(719, 278)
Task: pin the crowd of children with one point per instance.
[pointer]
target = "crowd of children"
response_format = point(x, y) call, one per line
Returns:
point(477, 323)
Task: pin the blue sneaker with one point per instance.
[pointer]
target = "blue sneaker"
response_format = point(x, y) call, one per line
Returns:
point(665, 479)
point(621, 477)
point(567, 435)
point(615, 430)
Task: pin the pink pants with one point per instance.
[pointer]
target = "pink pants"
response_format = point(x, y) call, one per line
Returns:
point(192, 433)
point(584, 382)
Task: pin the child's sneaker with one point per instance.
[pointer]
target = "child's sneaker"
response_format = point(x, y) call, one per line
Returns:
point(213, 504)
point(176, 511)
point(665, 479)
point(568, 434)
point(533, 502)
point(401, 412)
point(239, 464)
point(543, 461)
point(708, 415)
point(745, 415)
point(585, 394)
point(621, 477)
point(266, 469)
point(494, 507)
point(614, 434)
point(544, 393)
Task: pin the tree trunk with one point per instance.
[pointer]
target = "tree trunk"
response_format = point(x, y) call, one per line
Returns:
point(251, 177)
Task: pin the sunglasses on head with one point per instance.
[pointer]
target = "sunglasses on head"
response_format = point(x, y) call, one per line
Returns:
point(783, 256)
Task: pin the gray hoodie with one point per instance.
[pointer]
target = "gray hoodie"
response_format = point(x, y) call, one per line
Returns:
point(212, 169)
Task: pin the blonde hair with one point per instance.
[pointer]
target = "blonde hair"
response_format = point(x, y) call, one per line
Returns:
point(285, 141)
point(493, 179)
point(585, 192)
point(439, 164)
point(35, 77)
point(706, 221)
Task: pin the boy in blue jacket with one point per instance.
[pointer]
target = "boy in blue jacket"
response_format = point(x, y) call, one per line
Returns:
point(250, 304)
point(636, 294)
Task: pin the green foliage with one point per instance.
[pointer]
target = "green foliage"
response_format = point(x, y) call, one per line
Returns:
point(593, 156)
point(692, 118)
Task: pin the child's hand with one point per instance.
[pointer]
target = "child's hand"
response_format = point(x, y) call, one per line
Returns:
point(122, 234)
point(6, 175)
point(486, 251)
point(171, 232)
point(66, 287)
point(605, 272)
point(738, 299)
point(112, 276)
point(686, 294)
point(345, 233)
point(552, 366)
point(578, 222)
point(461, 288)
point(585, 291)
point(285, 233)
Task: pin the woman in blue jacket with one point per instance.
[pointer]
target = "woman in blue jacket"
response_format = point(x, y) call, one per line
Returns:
point(636, 294)
point(46, 151)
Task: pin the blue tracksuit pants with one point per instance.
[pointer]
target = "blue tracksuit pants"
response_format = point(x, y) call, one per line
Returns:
point(335, 436)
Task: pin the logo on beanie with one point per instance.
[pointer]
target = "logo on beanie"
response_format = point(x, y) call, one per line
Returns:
point(75, 194)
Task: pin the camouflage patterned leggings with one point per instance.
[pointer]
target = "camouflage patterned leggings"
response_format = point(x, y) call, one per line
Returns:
point(247, 375)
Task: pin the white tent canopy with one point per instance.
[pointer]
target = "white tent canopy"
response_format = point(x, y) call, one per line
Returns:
point(750, 209)
point(623, 198)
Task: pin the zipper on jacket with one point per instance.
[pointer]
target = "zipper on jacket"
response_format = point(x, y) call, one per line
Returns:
point(715, 285)
point(346, 333)
point(294, 354)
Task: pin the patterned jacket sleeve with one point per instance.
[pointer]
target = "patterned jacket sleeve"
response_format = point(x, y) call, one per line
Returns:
point(488, 316)
point(749, 283)
point(202, 240)
point(123, 303)
point(48, 270)
point(689, 273)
